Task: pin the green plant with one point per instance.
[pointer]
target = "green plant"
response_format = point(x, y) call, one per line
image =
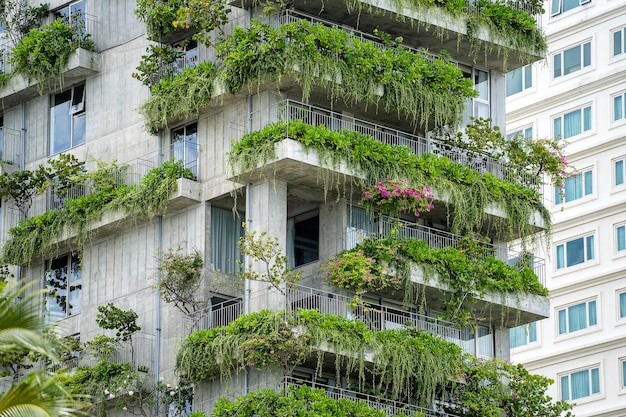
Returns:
point(180, 280)
point(124, 322)
point(392, 197)
point(158, 15)
point(44, 52)
point(19, 18)
point(156, 64)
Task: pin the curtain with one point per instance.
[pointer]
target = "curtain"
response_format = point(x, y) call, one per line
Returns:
point(572, 124)
point(562, 321)
point(226, 229)
point(485, 341)
point(514, 82)
point(558, 131)
point(588, 182)
point(586, 119)
point(619, 172)
point(571, 60)
point(569, 4)
point(593, 319)
point(586, 54)
point(565, 387)
point(622, 304)
point(577, 317)
point(560, 257)
point(575, 252)
point(617, 42)
point(618, 109)
point(590, 247)
point(580, 384)
point(360, 225)
point(621, 238)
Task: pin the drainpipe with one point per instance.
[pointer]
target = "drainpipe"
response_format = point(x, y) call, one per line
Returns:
point(22, 164)
point(246, 260)
point(157, 297)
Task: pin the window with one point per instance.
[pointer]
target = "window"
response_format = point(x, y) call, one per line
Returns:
point(477, 341)
point(523, 335)
point(67, 119)
point(571, 60)
point(64, 285)
point(576, 187)
point(621, 298)
point(623, 373)
point(478, 106)
point(73, 13)
point(185, 146)
point(572, 123)
point(620, 237)
point(580, 384)
point(577, 317)
point(575, 252)
point(226, 229)
point(303, 238)
point(188, 58)
point(619, 112)
point(519, 80)
point(619, 41)
point(526, 132)
point(562, 6)
point(619, 166)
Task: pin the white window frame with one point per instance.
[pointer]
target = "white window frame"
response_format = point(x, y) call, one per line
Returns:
point(558, 4)
point(76, 111)
point(560, 57)
point(525, 72)
point(618, 312)
point(622, 96)
point(69, 284)
point(588, 324)
point(583, 173)
point(615, 170)
point(569, 374)
point(622, 374)
point(622, 34)
point(561, 118)
point(523, 131)
point(586, 257)
point(618, 229)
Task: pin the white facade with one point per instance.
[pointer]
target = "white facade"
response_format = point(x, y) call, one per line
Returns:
point(585, 335)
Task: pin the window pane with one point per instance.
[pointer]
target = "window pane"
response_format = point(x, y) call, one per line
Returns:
point(514, 82)
point(593, 319)
point(557, 195)
point(560, 256)
point(622, 304)
point(588, 182)
point(572, 124)
point(61, 127)
point(623, 374)
point(587, 54)
point(226, 230)
point(577, 317)
point(56, 285)
point(570, 4)
point(532, 332)
point(621, 238)
point(557, 65)
point(617, 43)
point(78, 134)
point(595, 380)
point(575, 252)
point(618, 109)
point(587, 118)
point(565, 388)
point(580, 384)
point(528, 76)
point(562, 321)
point(557, 128)
point(619, 172)
point(590, 248)
point(571, 60)
point(481, 84)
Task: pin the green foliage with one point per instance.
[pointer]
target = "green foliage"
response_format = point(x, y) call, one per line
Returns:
point(430, 92)
point(158, 15)
point(466, 191)
point(392, 197)
point(44, 52)
point(302, 401)
point(124, 322)
point(468, 270)
point(156, 64)
point(180, 96)
point(180, 280)
point(38, 234)
point(266, 250)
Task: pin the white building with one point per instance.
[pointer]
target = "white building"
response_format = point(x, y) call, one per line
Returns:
point(578, 94)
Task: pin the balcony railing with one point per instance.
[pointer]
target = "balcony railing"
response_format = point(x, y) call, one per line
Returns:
point(376, 316)
point(440, 239)
point(129, 173)
point(290, 110)
point(10, 146)
point(389, 407)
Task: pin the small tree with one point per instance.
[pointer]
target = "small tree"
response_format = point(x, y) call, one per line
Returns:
point(124, 322)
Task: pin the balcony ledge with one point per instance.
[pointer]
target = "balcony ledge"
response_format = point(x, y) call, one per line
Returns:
point(497, 308)
point(80, 65)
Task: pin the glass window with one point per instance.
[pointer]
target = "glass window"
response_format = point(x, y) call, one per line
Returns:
point(67, 119)
point(525, 132)
point(619, 112)
point(619, 166)
point(572, 123)
point(185, 146)
point(303, 238)
point(523, 335)
point(188, 57)
point(572, 60)
point(478, 106)
point(576, 187)
point(577, 317)
point(575, 252)
point(562, 6)
point(623, 368)
point(519, 80)
point(619, 41)
point(226, 230)
point(580, 384)
point(620, 234)
point(73, 13)
point(622, 304)
point(64, 286)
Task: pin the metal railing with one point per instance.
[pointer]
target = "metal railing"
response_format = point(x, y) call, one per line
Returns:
point(290, 110)
point(130, 173)
point(389, 407)
point(439, 239)
point(10, 146)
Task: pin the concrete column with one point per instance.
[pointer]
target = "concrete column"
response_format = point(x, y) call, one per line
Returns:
point(268, 213)
point(332, 228)
point(502, 342)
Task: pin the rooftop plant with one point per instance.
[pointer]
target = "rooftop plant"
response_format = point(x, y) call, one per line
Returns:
point(37, 234)
point(466, 191)
point(406, 364)
point(44, 52)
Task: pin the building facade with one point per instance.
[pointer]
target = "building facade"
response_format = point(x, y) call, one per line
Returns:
point(281, 120)
point(577, 95)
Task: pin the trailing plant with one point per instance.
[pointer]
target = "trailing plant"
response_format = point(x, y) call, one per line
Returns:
point(44, 52)
point(302, 401)
point(157, 64)
point(266, 251)
point(392, 197)
point(180, 96)
point(431, 92)
point(468, 270)
point(464, 190)
point(19, 18)
point(158, 15)
point(38, 234)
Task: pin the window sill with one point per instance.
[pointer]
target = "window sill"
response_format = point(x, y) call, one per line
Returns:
point(569, 336)
point(570, 269)
point(557, 208)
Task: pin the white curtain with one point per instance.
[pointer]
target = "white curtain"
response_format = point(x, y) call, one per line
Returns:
point(226, 229)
